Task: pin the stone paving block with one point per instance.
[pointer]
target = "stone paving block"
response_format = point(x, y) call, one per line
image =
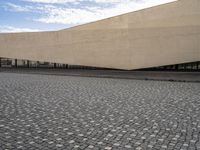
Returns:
point(68, 113)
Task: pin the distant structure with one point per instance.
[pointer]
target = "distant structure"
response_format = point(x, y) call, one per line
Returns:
point(159, 36)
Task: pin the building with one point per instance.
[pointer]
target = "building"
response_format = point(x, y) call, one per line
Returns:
point(159, 36)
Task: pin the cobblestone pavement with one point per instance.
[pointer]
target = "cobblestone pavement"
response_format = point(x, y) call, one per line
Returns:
point(43, 112)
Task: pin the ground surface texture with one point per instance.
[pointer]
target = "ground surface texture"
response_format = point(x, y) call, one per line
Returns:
point(43, 112)
point(117, 74)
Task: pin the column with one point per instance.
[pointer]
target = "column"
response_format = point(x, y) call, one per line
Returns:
point(37, 65)
point(54, 65)
point(184, 67)
point(15, 63)
point(176, 67)
point(28, 63)
point(191, 64)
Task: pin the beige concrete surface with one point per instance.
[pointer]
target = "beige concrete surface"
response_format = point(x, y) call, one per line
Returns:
point(162, 35)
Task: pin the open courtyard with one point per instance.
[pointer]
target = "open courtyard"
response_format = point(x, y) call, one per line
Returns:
point(43, 112)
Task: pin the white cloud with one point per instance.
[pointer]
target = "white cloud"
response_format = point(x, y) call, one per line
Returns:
point(17, 8)
point(51, 1)
point(11, 29)
point(49, 12)
point(55, 14)
point(77, 1)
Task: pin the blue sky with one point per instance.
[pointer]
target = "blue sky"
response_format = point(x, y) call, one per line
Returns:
point(44, 15)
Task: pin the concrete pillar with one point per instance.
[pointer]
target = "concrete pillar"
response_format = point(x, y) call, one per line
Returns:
point(191, 64)
point(176, 67)
point(54, 65)
point(15, 63)
point(184, 66)
point(24, 63)
point(28, 63)
point(37, 64)
point(7, 63)
point(165, 68)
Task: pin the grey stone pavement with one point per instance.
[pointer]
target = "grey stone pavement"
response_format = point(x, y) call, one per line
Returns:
point(117, 74)
point(44, 112)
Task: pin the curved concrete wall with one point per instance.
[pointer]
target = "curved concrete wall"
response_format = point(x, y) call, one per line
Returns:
point(162, 35)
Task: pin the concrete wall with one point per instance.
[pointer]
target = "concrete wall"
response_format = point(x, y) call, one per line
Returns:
point(157, 36)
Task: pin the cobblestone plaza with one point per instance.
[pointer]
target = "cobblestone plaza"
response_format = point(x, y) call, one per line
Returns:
point(43, 112)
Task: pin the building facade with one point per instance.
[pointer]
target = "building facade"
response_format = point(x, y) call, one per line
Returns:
point(159, 36)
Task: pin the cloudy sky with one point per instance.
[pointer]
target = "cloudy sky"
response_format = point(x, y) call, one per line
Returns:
point(43, 15)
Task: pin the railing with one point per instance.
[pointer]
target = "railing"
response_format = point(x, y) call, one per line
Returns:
point(16, 63)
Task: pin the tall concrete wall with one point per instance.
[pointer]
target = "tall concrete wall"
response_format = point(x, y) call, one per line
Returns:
point(162, 35)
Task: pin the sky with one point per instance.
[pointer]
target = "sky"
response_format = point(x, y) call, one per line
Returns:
point(48, 15)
